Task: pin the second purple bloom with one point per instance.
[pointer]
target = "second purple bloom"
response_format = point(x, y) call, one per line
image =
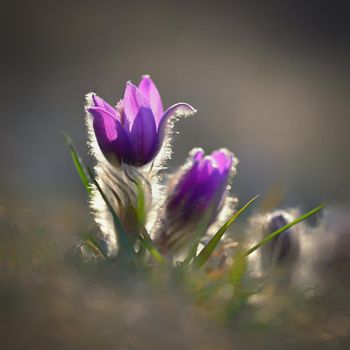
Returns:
point(196, 195)
point(203, 185)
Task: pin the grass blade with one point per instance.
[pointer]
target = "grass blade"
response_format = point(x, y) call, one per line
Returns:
point(206, 252)
point(79, 166)
point(148, 245)
point(125, 244)
point(140, 204)
point(279, 231)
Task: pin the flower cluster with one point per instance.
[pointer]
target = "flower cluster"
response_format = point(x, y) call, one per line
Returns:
point(128, 141)
point(172, 225)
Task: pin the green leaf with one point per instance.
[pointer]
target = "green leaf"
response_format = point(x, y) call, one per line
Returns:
point(148, 244)
point(279, 231)
point(125, 245)
point(78, 163)
point(140, 204)
point(206, 252)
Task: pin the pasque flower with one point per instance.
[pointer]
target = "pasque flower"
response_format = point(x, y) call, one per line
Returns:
point(286, 245)
point(133, 131)
point(195, 195)
point(202, 186)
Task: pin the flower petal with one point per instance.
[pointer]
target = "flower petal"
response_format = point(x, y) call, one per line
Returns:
point(207, 189)
point(223, 159)
point(197, 154)
point(184, 187)
point(104, 125)
point(177, 110)
point(133, 101)
point(123, 146)
point(151, 93)
point(99, 102)
point(144, 136)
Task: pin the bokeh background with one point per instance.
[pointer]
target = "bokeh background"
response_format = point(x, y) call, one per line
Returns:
point(270, 81)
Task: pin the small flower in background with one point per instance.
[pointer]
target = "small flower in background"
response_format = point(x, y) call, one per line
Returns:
point(275, 264)
point(278, 261)
point(283, 248)
point(133, 132)
point(196, 195)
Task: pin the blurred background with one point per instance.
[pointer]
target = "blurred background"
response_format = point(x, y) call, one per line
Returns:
point(270, 81)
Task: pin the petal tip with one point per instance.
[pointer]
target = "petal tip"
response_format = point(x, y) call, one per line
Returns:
point(89, 98)
point(197, 153)
point(91, 110)
point(131, 84)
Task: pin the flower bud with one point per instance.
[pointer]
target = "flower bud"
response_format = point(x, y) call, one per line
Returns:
point(284, 247)
point(196, 195)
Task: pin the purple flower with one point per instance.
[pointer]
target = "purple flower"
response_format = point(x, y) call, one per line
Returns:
point(133, 132)
point(202, 186)
point(196, 194)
